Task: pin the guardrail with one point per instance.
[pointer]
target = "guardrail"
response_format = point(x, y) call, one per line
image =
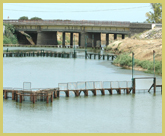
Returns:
point(70, 22)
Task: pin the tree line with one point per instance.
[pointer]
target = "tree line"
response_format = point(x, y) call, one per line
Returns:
point(26, 18)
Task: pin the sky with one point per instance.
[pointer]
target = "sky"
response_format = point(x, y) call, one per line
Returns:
point(133, 12)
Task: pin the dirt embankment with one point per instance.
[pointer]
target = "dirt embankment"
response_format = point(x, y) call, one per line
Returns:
point(141, 44)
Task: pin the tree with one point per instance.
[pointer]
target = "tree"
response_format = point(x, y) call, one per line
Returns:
point(156, 16)
point(23, 18)
point(36, 18)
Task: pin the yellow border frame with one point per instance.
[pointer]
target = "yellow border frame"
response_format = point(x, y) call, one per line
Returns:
point(73, 1)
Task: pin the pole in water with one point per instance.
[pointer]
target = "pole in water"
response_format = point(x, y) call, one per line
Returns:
point(86, 47)
point(74, 48)
point(132, 67)
point(92, 40)
point(154, 62)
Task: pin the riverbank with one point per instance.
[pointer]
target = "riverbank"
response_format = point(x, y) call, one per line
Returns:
point(142, 45)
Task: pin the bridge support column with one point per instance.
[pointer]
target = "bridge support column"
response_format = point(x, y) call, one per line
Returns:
point(123, 36)
point(71, 38)
point(107, 39)
point(79, 39)
point(96, 39)
point(47, 38)
point(115, 36)
point(82, 39)
point(63, 39)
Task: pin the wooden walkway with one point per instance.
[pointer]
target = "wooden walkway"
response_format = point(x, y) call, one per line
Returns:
point(24, 94)
point(20, 94)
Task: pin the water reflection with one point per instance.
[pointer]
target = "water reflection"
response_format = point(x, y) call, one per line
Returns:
point(125, 113)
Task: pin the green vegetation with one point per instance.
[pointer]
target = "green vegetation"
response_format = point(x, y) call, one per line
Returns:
point(26, 18)
point(36, 18)
point(156, 16)
point(126, 60)
point(9, 36)
point(23, 18)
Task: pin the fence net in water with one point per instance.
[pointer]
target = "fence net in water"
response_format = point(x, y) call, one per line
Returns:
point(106, 84)
point(115, 84)
point(81, 85)
point(129, 85)
point(123, 84)
point(98, 85)
point(72, 86)
point(27, 86)
point(89, 85)
point(63, 86)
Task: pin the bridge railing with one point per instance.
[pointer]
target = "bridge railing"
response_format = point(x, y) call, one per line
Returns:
point(70, 22)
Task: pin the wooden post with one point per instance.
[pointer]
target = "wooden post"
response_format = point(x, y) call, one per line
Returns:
point(110, 91)
point(98, 56)
point(133, 85)
point(103, 92)
point(94, 92)
point(33, 98)
point(13, 95)
point(103, 57)
point(154, 84)
point(107, 57)
point(76, 92)
point(55, 94)
point(47, 98)
point(127, 90)
point(67, 93)
point(90, 56)
point(58, 93)
point(16, 99)
point(94, 56)
point(85, 92)
point(20, 98)
point(5, 94)
point(52, 97)
point(119, 91)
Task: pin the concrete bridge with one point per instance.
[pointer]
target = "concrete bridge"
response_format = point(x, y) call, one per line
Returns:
point(44, 32)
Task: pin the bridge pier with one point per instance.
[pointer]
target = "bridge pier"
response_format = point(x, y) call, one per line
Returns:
point(123, 36)
point(107, 39)
point(63, 38)
point(71, 38)
point(46, 38)
point(115, 36)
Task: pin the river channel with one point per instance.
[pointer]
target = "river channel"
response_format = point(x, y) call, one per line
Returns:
point(126, 113)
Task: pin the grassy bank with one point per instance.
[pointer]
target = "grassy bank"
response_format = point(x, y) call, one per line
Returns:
point(124, 60)
point(9, 37)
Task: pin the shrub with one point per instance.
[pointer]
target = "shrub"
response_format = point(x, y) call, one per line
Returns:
point(36, 18)
point(23, 18)
point(9, 37)
point(126, 60)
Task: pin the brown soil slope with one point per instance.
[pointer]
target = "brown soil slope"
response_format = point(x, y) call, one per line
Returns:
point(142, 45)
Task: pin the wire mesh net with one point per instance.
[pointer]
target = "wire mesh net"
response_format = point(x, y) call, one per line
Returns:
point(98, 85)
point(123, 84)
point(115, 84)
point(129, 84)
point(7, 88)
point(81, 85)
point(90, 85)
point(72, 86)
point(63, 86)
point(106, 84)
point(27, 86)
